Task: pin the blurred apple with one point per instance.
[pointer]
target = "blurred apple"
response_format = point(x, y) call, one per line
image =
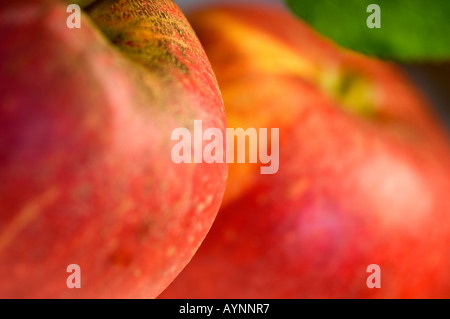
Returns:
point(86, 174)
point(364, 174)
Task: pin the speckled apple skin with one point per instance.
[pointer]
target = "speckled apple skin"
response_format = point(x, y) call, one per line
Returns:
point(86, 175)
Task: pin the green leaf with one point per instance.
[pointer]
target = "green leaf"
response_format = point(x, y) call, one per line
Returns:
point(411, 30)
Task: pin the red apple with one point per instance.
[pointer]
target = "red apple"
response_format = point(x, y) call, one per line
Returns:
point(86, 174)
point(364, 174)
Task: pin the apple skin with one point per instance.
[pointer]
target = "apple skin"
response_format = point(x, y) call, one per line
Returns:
point(363, 171)
point(85, 143)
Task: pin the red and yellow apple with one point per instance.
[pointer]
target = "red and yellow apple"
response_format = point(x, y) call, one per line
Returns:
point(363, 178)
point(86, 174)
